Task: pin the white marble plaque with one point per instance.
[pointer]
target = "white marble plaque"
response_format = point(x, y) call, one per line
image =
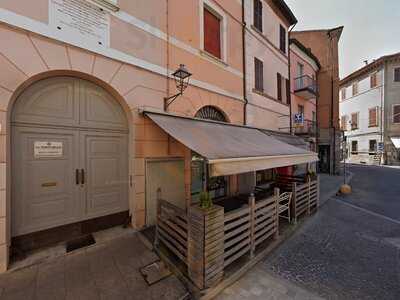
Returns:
point(48, 149)
point(80, 18)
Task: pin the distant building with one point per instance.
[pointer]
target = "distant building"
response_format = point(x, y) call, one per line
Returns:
point(370, 112)
point(324, 45)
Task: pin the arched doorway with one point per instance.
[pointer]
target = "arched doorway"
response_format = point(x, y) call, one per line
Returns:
point(69, 156)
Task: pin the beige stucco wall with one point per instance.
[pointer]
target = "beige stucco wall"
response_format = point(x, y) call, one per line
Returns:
point(30, 55)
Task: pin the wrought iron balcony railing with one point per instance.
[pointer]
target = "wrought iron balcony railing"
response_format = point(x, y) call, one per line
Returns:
point(305, 87)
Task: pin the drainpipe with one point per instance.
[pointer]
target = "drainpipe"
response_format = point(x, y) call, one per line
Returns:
point(290, 81)
point(244, 64)
point(168, 44)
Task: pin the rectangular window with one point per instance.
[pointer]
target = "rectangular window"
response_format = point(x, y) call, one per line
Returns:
point(279, 86)
point(300, 109)
point(282, 39)
point(396, 113)
point(355, 88)
point(354, 121)
point(343, 94)
point(373, 117)
point(374, 80)
point(397, 74)
point(354, 147)
point(288, 96)
point(212, 33)
point(372, 146)
point(343, 123)
point(259, 74)
point(258, 23)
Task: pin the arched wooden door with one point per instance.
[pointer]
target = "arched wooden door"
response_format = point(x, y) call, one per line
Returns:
point(69, 155)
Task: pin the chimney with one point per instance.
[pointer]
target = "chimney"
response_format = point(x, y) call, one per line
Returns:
point(366, 62)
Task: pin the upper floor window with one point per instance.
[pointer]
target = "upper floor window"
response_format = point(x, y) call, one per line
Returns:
point(374, 80)
point(343, 123)
point(396, 113)
point(397, 74)
point(354, 121)
point(373, 117)
point(300, 109)
point(258, 20)
point(343, 94)
point(279, 86)
point(259, 74)
point(282, 38)
point(300, 69)
point(355, 88)
point(212, 33)
point(288, 96)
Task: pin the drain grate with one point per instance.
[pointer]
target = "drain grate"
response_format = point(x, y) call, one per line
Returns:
point(80, 242)
point(155, 272)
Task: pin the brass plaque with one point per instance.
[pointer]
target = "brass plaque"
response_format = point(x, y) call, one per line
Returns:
point(49, 184)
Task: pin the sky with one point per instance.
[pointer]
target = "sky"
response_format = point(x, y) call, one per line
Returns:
point(371, 27)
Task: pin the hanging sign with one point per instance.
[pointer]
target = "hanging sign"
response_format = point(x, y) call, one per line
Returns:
point(48, 149)
point(80, 18)
point(299, 119)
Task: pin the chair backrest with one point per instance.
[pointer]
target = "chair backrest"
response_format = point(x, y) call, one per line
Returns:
point(285, 198)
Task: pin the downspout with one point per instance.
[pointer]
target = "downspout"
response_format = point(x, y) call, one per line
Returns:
point(290, 82)
point(244, 64)
point(168, 45)
point(333, 138)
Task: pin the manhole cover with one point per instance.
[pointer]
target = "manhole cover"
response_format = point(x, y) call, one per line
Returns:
point(155, 272)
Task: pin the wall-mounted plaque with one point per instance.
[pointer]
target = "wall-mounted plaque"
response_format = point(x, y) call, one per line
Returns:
point(76, 18)
point(48, 149)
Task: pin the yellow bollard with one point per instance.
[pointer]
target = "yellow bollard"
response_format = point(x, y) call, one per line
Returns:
point(345, 189)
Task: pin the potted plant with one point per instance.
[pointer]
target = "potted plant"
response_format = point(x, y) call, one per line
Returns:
point(205, 200)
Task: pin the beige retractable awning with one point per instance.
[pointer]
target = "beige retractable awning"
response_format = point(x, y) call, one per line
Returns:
point(231, 149)
point(396, 142)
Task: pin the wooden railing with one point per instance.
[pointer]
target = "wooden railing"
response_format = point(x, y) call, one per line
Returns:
point(305, 198)
point(247, 227)
point(172, 229)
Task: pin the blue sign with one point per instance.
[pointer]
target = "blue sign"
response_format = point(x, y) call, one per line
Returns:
point(381, 147)
point(298, 118)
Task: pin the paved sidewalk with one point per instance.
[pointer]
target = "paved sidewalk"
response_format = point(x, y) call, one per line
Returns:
point(104, 271)
point(330, 185)
point(258, 284)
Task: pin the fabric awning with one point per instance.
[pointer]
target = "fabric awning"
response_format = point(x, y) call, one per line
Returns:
point(231, 149)
point(289, 139)
point(396, 142)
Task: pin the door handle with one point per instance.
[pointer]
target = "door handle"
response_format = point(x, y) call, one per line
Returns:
point(77, 176)
point(83, 176)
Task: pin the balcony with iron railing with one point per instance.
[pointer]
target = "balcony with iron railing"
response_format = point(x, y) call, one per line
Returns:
point(307, 128)
point(306, 87)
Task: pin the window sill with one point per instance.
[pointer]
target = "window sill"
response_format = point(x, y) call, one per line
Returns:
point(372, 126)
point(213, 58)
point(263, 94)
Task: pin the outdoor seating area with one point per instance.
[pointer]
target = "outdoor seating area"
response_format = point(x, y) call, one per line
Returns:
point(205, 243)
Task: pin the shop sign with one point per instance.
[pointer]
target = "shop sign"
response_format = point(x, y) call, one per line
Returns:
point(48, 149)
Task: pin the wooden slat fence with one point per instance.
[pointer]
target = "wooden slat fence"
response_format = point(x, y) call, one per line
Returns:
point(172, 229)
point(305, 198)
point(247, 227)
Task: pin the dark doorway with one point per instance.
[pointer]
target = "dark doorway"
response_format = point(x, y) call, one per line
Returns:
point(324, 155)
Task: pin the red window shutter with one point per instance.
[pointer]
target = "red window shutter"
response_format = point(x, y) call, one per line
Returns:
point(282, 38)
point(279, 86)
point(212, 34)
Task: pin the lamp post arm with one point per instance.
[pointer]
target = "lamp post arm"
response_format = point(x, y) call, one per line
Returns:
point(169, 100)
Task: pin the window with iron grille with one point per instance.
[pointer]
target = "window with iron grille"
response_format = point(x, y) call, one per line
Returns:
point(210, 113)
point(397, 74)
point(354, 147)
point(373, 117)
point(258, 23)
point(212, 33)
point(259, 74)
point(354, 121)
point(282, 39)
point(396, 113)
point(279, 86)
point(343, 123)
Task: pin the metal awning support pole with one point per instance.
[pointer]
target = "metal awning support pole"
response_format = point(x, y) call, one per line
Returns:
point(206, 175)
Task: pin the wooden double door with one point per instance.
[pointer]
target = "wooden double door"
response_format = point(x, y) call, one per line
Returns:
point(69, 155)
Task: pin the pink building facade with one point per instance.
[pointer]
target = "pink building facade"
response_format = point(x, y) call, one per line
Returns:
point(304, 67)
point(123, 55)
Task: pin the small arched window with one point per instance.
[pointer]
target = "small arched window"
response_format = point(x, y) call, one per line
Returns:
point(211, 113)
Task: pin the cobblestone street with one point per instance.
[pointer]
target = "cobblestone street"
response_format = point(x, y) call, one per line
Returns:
point(349, 250)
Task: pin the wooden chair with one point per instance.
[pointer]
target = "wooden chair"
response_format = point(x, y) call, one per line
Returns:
point(284, 205)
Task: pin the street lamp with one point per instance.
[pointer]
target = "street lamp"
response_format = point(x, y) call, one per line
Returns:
point(182, 77)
